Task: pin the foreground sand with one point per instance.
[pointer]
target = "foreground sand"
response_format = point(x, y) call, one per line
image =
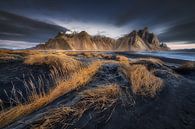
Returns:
point(95, 90)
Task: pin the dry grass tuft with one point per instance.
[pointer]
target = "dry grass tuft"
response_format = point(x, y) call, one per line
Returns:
point(72, 53)
point(77, 79)
point(59, 61)
point(121, 58)
point(186, 67)
point(87, 54)
point(105, 56)
point(142, 81)
point(151, 63)
point(7, 57)
point(96, 99)
point(101, 96)
point(20, 52)
point(97, 55)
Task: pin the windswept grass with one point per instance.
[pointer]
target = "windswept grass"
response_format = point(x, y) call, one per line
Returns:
point(151, 60)
point(77, 79)
point(186, 67)
point(121, 58)
point(19, 52)
point(6, 56)
point(151, 63)
point(62, 62)
point(101, 96)
point(96, 99)
point(142, 81)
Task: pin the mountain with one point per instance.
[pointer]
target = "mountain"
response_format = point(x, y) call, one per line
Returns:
point(78, 41)
point(134, 41)
point(140, 40)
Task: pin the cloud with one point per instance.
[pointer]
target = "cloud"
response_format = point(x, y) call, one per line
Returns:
point(15, 27)
point(9, 44)
point(172, 20)
point(182, 32)
point(92, 28)
point(155, 12)
point(181, 45)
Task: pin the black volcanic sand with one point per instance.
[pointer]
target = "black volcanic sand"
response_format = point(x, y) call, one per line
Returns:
point(172, 108)
point(15, 76)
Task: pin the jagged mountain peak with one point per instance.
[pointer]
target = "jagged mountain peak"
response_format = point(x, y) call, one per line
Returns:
point(84, 33)
point(134, 41)
point(60, 34)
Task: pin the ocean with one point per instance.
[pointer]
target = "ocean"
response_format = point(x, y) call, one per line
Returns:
point(184, 55)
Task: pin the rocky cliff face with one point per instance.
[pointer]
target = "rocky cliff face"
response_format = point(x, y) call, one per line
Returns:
point(140, 40)
point(78, 41)
point(134, 41)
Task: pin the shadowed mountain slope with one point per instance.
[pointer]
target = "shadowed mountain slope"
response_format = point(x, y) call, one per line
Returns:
point(135, 41)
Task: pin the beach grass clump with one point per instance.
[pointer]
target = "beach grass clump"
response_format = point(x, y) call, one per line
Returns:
point(97, 100)
point(60, 61)
point(77, 79)
point(151, 63)
point(121, 58)
point(186, 67)
point(142, 81)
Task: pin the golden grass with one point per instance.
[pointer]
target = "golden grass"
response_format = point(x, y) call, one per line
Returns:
point(7, 57)
point(152, 60)
point(72, 53)
point(88, 54)
point(104, 56)
point(79, 78)
point(20, 52)
point(61, 117)
point(98, 99)
point(149, 61)
point(60, 61)
point(101, 96)
point(121, 58)
point(186, 67)
point(142, 81)
point(92, 55)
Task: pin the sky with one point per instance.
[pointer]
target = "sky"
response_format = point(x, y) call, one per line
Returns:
point(25, 23)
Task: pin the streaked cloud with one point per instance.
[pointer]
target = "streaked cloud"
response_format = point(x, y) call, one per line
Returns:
point(10, 44)
point(16, 27)
point(181, 45)
point(38, 20)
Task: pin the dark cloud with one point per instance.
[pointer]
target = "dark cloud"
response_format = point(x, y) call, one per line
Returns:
point(15, 27)
point(156, 11)
point(174, 18)
point(182, 32)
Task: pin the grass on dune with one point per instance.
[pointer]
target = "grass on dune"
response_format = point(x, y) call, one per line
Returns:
point(19, 52)
point(150, 63)
point(100, 96)
point(150, 60)
point(60, 61)
point(96, 99)
point(79, 78)
point(142, 81)
point(186, 67)
point(121, 58)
